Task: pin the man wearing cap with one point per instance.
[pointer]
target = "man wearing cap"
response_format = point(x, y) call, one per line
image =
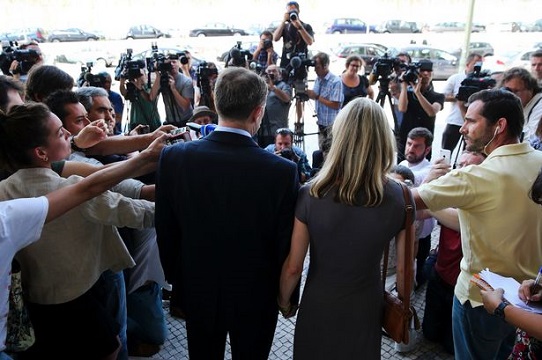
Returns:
point(202, 116)
point(419, 104)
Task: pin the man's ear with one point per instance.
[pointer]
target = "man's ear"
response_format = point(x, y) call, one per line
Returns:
point(427, 150)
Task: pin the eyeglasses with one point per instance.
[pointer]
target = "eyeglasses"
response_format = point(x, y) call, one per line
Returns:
point(356, 66)
point(284, 131)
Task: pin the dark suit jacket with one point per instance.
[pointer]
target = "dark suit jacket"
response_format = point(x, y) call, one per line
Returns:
point(224, 217)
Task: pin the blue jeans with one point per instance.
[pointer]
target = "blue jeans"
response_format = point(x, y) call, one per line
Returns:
point(115, 301)
point(146, 319)
point(479, 335)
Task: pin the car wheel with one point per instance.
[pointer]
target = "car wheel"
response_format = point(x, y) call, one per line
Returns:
point(387, 32)
point(159, 36)
point(55, 40)
point(201, 35)
point(237, 34)
point(337, 32)
point(91, 39)
point(130, 38)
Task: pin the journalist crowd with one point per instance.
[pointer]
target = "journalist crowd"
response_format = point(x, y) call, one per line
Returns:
point(109, 206)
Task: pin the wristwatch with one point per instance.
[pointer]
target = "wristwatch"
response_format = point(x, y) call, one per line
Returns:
point(75, 147)
point(499, 311)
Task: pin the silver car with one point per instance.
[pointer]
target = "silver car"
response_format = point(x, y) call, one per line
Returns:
point(444, 63)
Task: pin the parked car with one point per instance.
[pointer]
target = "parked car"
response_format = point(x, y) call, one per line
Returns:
point(398, 26)
point(450, 26)
point(444, 63)
point(478, 47)
point(506, 60)
point(216, 29)
point(145, 32)
point(99, 58)
point(369, 52)
point(25, 34)
point(349, 26)
point(71, 34)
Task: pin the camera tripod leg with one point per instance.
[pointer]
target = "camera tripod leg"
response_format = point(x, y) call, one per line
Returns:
point(299, 125)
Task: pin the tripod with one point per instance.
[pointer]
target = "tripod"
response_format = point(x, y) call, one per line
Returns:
point(383, 93)
point(299, 124)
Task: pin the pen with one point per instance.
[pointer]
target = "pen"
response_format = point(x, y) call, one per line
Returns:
point(537, 281)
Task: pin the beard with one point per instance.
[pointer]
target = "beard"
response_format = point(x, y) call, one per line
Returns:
point(478, 145)
point(413, 159)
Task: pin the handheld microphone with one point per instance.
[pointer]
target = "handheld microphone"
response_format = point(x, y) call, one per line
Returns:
point(204, 130)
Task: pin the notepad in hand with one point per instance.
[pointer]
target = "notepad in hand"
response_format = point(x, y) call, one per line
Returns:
point(511, 289)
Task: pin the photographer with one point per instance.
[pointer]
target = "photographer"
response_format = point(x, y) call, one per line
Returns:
point(296, 35)
point(19, 68)
point(177, 91)
point(395, 84)
point(418, 102)
point(143, 110)
point(283, 147)
point(454, 121)
point(264, 54)
point(327, 95)
point(206, 75)
point(277, 107)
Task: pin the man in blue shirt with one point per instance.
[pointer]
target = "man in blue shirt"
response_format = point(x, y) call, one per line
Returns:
point(283, 147)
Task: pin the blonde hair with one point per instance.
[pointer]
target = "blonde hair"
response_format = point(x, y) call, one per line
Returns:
point(362, 153)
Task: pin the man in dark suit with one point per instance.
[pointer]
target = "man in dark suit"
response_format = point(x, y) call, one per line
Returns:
point(224, 216)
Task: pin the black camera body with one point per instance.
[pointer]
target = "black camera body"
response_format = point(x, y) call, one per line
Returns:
point(26, 58)
point(133, 68)
point(411, 74)
point(267, 44)
point(288, 153)
point(238, 56)
point(385, 66)
point(476, 81)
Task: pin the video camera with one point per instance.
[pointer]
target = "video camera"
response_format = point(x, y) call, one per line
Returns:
point(297, 76)
point(238, 56)
point(128, 68)
point(86, 76)
point(411, 74)
point(386, 66)
point(26, 58)
point(476, 81)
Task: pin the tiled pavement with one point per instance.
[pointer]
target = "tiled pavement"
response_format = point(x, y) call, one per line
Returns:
point(175, 346)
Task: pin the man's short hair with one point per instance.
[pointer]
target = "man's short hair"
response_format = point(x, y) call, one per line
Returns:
point(421, 132)
point(323, 57)
point(522, 74)
point(7, 83)
point(501, 103)
point(85, 95)
point(267, 33)
point(284, 132)
point(537, 53)
point(58, 100)
point(409, 58)
point(473, 56)
point(404, 172)
point(45, 79)
point(238, 91)
point(293, 3)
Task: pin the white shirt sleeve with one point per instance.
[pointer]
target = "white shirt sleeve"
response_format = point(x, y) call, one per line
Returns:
point(22, 220)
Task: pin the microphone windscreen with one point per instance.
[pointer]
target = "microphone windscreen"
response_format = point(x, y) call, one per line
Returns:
point(295, 62)
point(207, 129)
point(194, 126)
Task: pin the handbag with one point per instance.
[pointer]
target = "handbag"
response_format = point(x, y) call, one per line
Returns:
point(399, 314)
point(20, 333)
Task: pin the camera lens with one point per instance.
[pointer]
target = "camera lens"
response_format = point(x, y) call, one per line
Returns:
point(293, 16)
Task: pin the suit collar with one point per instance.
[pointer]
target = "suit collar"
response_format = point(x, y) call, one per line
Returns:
point(231, 138)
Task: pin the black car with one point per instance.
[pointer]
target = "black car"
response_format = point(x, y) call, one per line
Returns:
point(71, 34)
point(145, 32)
point(216, 29)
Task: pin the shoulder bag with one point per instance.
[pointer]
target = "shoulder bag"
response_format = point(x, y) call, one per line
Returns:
point(399, 314)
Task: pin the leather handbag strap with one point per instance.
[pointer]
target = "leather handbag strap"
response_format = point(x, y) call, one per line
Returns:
point(408, 248)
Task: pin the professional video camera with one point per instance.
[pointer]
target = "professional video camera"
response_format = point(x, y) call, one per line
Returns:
point(26, 58)
point(474, 82)
point(127, 67)
point(384, 67)
point(203, 82)
point(411, 74)
point(238, 56)
point(297, 76)
point(87, 76)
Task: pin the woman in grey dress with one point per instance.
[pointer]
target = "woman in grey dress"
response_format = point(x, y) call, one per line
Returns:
point(348, 214)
